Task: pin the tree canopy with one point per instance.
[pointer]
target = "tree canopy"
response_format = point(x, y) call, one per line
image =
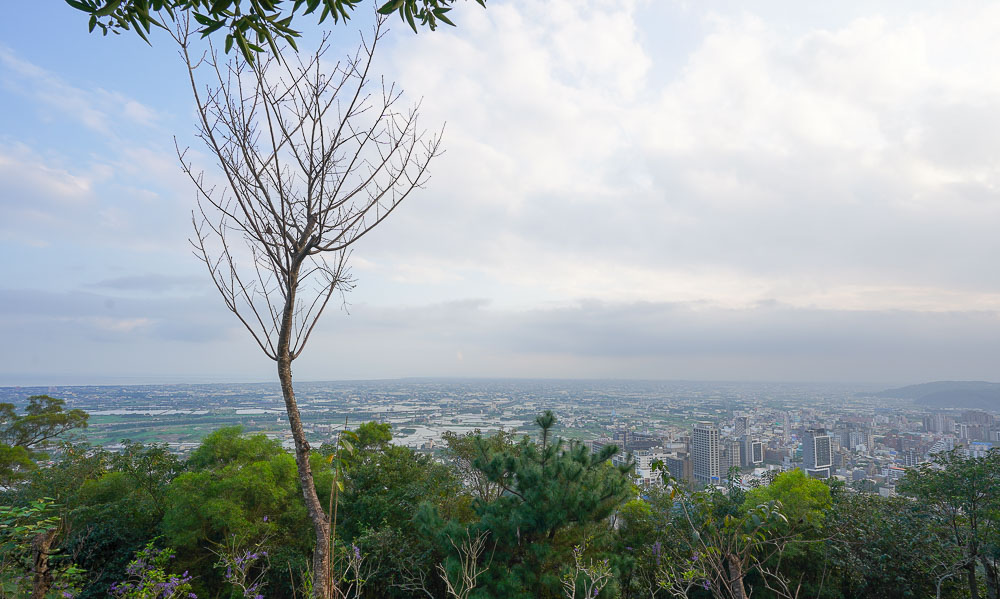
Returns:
point(249, 25)
point(24, 436)
point(564, 523)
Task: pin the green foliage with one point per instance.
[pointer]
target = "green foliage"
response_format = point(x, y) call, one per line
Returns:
point(384, 488)
point(563, 523)
point(243, 485)
point(20, 528)
point(111, 503)
point(804, 500)
point(554, 497)
point(118, 509)
point(804, 503)
point(239, 485)
point(249, 25)
point(384, 485)
point(372, 436)
point(642, 527)
point(23, 437)
point(462, 452)
point(722, 543)
point(15, 462)
point(892, 548)
point(587, 578)
point(963, 494)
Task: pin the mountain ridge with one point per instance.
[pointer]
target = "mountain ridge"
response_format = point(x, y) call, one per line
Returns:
point(979, 395)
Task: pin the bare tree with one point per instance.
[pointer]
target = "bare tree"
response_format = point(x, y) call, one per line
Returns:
point(459, 584)
point(312, 157)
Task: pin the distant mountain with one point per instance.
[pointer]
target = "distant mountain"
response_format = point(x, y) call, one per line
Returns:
point(976, 395)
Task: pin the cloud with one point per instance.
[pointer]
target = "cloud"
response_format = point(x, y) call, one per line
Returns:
point(850, 165)
point(81, 318)
point(26, 177)
point(155, 283)
point(651, 189)
point(657, 340)
point(48, 198)
point(96, 109)
point(62, 333)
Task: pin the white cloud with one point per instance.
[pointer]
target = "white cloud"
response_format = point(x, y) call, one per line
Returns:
point(806, 195)
point(117, 184)
point(97, 109)
point(30, 181)
point(850, 166)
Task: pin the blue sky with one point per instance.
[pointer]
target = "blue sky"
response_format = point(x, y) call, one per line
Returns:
point(647, 189)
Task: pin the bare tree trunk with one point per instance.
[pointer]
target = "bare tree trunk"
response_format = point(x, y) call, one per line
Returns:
point(736, 578)
point(321, 553)
point(939, 582)
point(992, 580)
point(41, 547)
point(973, 584)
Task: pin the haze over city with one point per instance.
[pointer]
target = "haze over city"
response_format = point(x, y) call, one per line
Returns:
point(653, 190)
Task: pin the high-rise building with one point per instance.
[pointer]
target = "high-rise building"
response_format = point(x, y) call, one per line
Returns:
point(939, 423)
point(705, 454)
point(977, 417)
point(911, 457)
point(679, 466)
point(741, 426)
point(786, 426)
point(817, 453)
point(729, 456)
point(751, 452)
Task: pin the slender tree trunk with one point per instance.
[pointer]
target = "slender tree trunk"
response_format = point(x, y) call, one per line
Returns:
point(41, 582)
point(973, 584)
point(938, 583)
point(321, 553)
point(736, 578)
point(992, 580)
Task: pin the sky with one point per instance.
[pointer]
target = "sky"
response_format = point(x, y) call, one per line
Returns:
point(651, 189)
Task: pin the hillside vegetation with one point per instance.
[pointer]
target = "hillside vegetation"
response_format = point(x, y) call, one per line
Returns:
point(502, 517)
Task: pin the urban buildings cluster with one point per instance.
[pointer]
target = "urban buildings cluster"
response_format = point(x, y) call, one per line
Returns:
point(869, 453)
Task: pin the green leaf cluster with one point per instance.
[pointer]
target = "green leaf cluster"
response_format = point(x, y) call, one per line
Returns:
point(24, 437)
point(554, 496)
point(250, 25)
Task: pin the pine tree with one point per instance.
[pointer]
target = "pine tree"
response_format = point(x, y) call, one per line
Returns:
point(554, 495)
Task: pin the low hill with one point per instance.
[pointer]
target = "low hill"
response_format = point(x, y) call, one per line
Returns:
point(978, 395)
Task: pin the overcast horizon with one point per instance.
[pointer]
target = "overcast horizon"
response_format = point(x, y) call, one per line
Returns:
point(631, 189)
